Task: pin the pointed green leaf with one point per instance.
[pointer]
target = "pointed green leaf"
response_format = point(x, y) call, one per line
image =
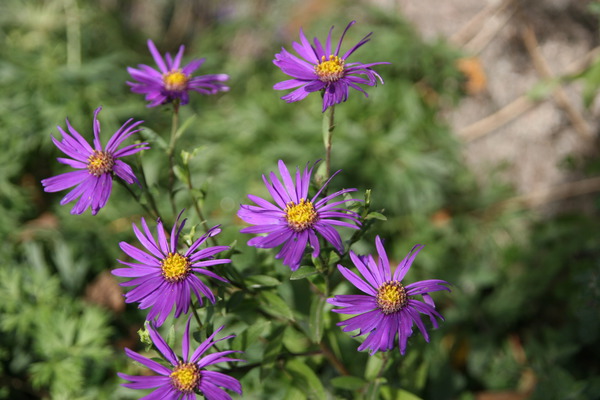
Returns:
point(154, 138)
point(258, 281)
point(303, 272)
point(348, 382)
point(185, 125)
point(315, 319)
point(305, 379)
point(274, 305)
point(182, 174)
point(376, 215)
point(373, 367)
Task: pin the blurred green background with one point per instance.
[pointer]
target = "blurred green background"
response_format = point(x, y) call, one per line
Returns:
point(522, 320)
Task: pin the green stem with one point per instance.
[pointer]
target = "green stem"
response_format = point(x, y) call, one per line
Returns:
point(146, 190)
point(197, 317)
point(328, 127)
point(170, 152)
point(374, 392)
point(137, 198)
point(197, 207)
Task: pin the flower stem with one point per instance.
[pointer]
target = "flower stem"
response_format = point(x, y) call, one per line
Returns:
point(328, 126)
point(197, 206)
point(197, 317)
point(137, 199)
point(374, 385)
point(170, 151)
point(146, 190)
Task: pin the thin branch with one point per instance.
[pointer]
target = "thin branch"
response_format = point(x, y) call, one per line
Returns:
point(477, 23)
point(521, 104)
point(491, 28)
point(560, 96)
point(558, 192)
point(501, 117)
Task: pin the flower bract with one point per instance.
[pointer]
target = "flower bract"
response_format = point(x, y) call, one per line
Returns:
point(323, 68)
point(296, 219)
point(172, 82)
point(164, 276)
point(95, 166)
point(389, 308)
point(185, 376)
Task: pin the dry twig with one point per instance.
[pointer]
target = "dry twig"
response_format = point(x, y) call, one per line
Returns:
point(520, 105)
point(560, 96)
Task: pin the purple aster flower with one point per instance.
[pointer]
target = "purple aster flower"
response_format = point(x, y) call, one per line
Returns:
point(95, 166)
point(164, 276)
point(295, 219)
point(322, 68)
point(186, 376)
point(389, 307)
point(172, 83)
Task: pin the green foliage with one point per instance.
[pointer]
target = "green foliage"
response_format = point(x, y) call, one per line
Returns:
point(57, 341)
point(526, 291)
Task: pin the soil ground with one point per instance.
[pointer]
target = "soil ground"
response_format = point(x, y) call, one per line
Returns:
point(515, 45)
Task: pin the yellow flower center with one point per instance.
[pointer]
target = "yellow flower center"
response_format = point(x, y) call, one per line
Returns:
point(330, 70)
point(100, 162)
point(175, 81)
point(175, 267)
point(300, 216)
point(185, 377)
point(391, 297)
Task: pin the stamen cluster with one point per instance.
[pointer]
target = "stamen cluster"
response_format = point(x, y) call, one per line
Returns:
point(175, 81)
point(100, 163)
point(330, 70)
point(175, 267)
point(300, 216)
point(185, 377)
point(391, 297)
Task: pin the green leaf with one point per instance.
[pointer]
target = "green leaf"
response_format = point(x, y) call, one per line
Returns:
point(273, 349)
point(182, 174)
point(170, 338)
point(185, 125)
point(186, 156)
point(367, 198)
point(543, 89)
point(250, 335)
point(591, 83)
point(260, 281)
point(315, 319)
point(376, 215)
point(333, 258)
point(348, 382)
point(373, 367)
point(295, 341)
point(305, 379)
point(153, 137)
point(317, 262)
point(389, 393)
point(274, 305)
point(303, 272)
point(145, 337)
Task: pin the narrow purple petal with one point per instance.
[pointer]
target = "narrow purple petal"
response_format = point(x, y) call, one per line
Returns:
point(356, 281)
point(157, 57)
point(404, 266)
point(153, 365)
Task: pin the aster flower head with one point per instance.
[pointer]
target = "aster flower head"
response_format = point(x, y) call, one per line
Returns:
point(322, 68)
point(295, 219)
point(164, 276)
point(95, 166)
point(388, 308)
point(186, 376)
point(172, 82)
